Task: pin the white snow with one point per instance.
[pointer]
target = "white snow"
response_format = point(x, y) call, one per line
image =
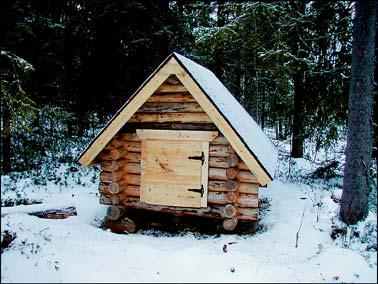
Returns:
point(238, 117)
point(77, 249)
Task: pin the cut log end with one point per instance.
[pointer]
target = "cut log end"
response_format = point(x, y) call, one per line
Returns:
point(232, 173)
point(233, 160)
point(115, 212)
point(229, 211)
point(124, 225)
point(230, 224)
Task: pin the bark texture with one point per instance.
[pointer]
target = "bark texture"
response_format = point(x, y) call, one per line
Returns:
point(354, 200)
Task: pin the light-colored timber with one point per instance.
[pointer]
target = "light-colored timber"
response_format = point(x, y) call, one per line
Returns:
point(183, 97)
point(170, 88)
point(180, 135)
point(249, 214)
point(210, 211)
point(199, 117)
point(170, 107)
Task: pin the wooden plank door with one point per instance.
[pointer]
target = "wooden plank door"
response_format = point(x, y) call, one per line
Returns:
point(171, 173)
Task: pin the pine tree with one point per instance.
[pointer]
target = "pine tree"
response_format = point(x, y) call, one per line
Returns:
point(354, 200)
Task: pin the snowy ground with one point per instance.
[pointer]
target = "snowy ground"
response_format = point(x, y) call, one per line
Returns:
point(76, 249)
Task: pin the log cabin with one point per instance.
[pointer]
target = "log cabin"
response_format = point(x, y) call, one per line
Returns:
point(182, 144)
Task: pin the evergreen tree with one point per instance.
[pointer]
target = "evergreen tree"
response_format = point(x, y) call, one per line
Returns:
point(354, 200)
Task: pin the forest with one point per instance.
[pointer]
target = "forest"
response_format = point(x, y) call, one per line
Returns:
point(68, 66)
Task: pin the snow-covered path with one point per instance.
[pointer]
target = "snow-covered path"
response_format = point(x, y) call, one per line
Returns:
point(76, 250)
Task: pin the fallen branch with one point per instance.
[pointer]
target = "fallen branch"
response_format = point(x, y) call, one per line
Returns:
point(50, 211)
point(55, 213)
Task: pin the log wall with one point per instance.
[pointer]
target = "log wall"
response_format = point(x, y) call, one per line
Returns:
point(232, 188)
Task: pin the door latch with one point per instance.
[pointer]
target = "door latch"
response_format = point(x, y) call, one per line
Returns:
point(199, 190)
point(200, 158)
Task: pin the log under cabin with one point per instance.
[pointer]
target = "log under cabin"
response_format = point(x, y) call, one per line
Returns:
point(183, 144)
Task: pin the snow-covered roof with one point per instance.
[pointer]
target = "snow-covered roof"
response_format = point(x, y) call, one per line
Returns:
point(244, 125)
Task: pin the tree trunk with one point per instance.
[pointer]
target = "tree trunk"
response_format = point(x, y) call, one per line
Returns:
point(6, 141)
point(354, 199)
point(298, 136)
point(298, 49)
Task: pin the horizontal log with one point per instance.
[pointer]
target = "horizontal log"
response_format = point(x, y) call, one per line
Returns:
point(111, 166)
point(248, 188)
point(113, 176)
point(132, 179)
point(213, 211)
point(183, 97)
point(218, 162)
point(246, 176)
point(218, 150)
point(172, 80)
point(221, 197)
point(219, 186)
point(250, 214)
point(170, 107)
point(133, 157)
point(221, 174)
point(114, 143)
point(132, 126)
point(171, 88)
point(217, 174)
point(61, 213)
point(199, 117)
point(132, 190)
point(230, 224)
point(220, 140)
point(133, 146)
point(123, 225)
point(248, 200)
point(133, 168)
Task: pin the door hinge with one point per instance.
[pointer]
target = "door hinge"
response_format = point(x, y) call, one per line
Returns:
point(200, 158)
point(199, 190)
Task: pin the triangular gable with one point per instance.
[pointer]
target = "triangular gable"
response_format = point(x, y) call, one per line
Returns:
point(243, 133)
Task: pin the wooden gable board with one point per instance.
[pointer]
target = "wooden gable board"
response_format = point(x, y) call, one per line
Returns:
point(173, 66)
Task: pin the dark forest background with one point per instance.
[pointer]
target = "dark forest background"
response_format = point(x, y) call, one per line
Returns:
point(67, 66)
